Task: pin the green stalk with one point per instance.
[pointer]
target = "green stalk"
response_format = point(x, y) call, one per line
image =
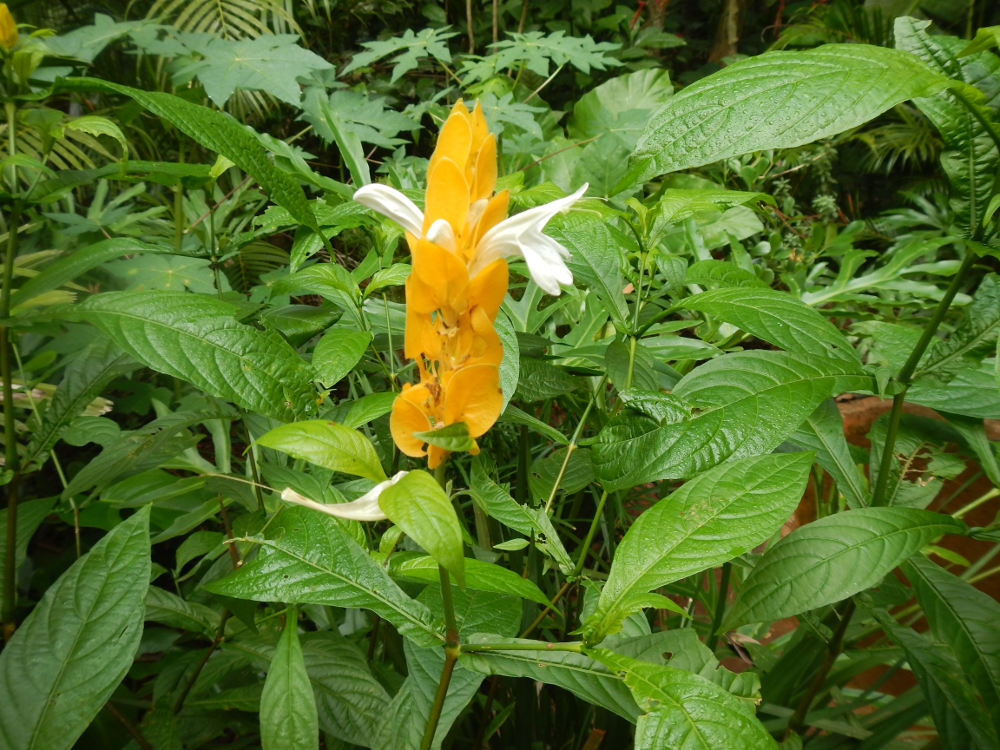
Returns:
point(590, 534)
point(452, 647)
point(797, 722)
point(903, 379)
point(720, 606)
point(10, 434)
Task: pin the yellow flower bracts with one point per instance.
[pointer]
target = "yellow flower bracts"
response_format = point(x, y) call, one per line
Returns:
point(458, 279)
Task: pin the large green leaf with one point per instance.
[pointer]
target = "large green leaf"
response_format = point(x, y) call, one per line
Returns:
point(972, 392)
point(74, 648)
point(217, 132)
point(418, 505)
point(198, 339)
point(287, 706)
point(713, 518)
point(684, 711)
point(310, 559)
point(970, 156)
point(348, 697)
point(744, 404)
point(269, 62)
point(582, 675)
point(779, 100)
point(775, 317)
point(328, 444)
point(959, 717)
point(823, 433)
point(479, 575)
point(966, 619)
point(349, 700)
point(597, 251)
point(69, 267)
point(832, 558)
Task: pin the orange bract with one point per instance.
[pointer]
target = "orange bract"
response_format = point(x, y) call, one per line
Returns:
point(450, 314)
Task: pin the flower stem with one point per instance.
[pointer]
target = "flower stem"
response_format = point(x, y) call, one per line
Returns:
point(452, 647)
point(903, 379)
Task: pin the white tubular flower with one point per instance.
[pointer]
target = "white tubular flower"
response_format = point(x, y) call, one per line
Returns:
point(393, 205)
point(519, 235)
point(365, 508)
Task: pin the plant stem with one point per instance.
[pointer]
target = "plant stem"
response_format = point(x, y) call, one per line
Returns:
point(590, 534)
point(720, 606)
point(9, 425)
point(976, 503)
point(452, 647)
point(574, 646)
point(906, 373)
point(797, 721)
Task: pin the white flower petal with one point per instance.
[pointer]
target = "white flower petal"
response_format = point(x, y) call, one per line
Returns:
point(441, 233)
point(521, 235)
point(392, 204)
point(365, 508)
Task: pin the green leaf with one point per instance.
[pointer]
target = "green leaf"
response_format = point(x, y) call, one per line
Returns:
point(198, 339)
point(479, 576)
point(270, 63)
point(452, 437)
point(326, 444)
point(597, 250)
point(217, 132)
point(537, 50)
point(822, 432)
point(780, 100)
point(135, 451)
point(87, 42)
point(977, 328)
point(685, 711)
point(775, 317)
point(970, 157)
point(745, 404)
point(310, 559)
point(287, 706)
point(408, 48)
point(720, 273)
point(169, 609)
point(958, 716)
point(70, 267)
point(985, 38)
point(966, 619)
point(369, 118)
point(532, 522)
point(972, 392)
point(832, 558)
point(579, 673)
point(86, 375)
point(713, 518)
point(349, 700)
point(73, 650)
point(337, 353)
point(418, 505)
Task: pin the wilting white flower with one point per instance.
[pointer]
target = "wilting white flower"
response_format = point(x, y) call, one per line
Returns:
point(519, 235)
point(365, 508)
